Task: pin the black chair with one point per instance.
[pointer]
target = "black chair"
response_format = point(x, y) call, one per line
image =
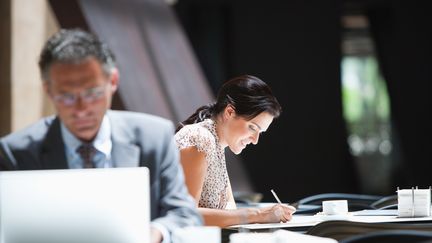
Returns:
point(313, 204)
point(388, 202)
point(391, 236)
point(340, 230)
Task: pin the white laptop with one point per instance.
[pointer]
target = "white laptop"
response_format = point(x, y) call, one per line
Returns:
point(75, 206)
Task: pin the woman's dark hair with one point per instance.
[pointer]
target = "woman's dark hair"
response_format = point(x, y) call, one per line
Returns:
point(248, 95)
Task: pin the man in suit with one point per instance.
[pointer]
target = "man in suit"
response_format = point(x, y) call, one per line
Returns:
point(80, 77)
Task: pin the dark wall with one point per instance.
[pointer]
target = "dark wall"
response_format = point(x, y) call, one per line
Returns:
point(402, 31)
point(295, 47)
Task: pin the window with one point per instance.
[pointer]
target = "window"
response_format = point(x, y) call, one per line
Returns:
point(366, 107)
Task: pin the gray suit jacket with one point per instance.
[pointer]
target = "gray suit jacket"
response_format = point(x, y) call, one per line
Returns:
point(138, 140)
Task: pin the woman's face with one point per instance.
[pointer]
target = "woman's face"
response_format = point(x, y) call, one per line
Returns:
point(238, 132)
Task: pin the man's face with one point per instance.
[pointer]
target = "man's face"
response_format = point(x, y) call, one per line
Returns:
point(81, 94)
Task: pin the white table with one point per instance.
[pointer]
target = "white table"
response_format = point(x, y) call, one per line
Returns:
point(303, 222)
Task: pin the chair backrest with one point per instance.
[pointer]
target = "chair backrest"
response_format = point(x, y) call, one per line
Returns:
point(355, 201)
point(339, 229)
point(391, 236)
point(385, 202)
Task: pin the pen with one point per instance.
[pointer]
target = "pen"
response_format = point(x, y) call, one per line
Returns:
point(275, 196)
point(279, 201)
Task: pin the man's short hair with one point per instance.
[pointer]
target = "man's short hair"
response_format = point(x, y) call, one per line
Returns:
point(74, 46)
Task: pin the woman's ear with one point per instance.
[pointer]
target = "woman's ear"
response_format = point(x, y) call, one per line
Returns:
point(229, 112)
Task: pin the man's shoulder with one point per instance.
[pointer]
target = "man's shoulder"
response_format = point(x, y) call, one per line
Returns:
point(136, 116)
point(35, 132)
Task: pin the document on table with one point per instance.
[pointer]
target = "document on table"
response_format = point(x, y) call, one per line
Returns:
point(372, 212)
point(296, 221)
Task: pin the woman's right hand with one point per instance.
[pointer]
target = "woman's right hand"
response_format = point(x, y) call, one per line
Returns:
point(275, 214)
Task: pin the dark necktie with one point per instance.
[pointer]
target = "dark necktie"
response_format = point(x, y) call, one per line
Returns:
point(87, 152)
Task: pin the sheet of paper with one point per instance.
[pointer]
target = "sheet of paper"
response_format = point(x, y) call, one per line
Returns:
point(368, 212)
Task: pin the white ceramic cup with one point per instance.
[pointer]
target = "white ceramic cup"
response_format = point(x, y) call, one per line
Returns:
point(335, 207)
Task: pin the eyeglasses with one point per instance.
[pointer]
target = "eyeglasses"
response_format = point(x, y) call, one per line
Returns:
point(88, 96)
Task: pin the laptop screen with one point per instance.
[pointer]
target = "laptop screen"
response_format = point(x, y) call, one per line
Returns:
point(71, 206)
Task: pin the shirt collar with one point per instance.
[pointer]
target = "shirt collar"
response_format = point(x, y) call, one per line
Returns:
point(102, 141)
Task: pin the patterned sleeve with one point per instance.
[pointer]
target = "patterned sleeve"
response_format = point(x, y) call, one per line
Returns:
point(194, 135)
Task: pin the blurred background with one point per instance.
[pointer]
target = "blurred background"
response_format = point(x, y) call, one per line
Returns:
point(353, 78)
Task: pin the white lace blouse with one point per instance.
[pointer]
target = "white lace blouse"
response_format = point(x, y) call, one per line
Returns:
point(203, 136)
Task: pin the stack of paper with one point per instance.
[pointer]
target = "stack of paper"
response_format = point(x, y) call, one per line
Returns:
point(414, 202)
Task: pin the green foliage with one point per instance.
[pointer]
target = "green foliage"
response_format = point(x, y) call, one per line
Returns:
point(364, 95)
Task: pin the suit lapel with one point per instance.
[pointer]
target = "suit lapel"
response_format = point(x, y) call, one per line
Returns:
point(125, 152)
point(53, 154)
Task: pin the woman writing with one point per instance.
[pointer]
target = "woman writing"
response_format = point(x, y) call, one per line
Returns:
point(245, 107)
